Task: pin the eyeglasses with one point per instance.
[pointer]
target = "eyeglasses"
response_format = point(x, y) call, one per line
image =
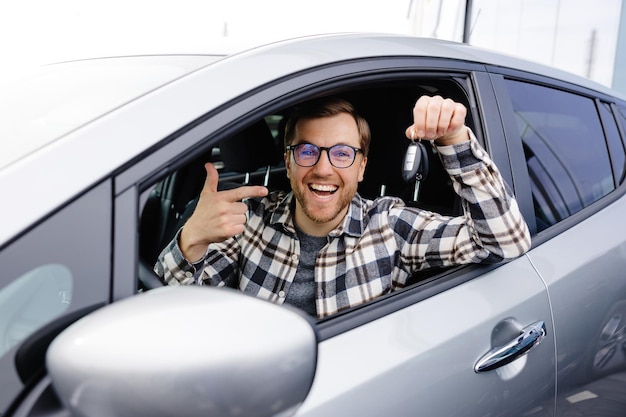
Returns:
point(339, 156)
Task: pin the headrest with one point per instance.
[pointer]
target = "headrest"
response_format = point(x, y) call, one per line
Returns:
point(250, 149)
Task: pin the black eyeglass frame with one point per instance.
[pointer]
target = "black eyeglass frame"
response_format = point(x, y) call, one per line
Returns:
point(319, 155)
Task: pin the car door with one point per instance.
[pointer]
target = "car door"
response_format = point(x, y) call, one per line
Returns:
point(575, 163)
point(421, 359)
point(415, 351)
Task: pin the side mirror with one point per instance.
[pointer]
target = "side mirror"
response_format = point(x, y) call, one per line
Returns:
point(185, 351)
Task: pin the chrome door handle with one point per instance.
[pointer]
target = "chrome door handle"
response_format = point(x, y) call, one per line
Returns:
point(499, 356)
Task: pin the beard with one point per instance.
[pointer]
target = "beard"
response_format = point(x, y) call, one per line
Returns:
point(320, 212)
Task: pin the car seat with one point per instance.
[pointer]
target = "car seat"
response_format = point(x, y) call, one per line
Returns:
point(166, 204)
point(174, 199)
point(249, 150)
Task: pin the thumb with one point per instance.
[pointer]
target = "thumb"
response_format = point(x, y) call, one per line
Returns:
point(411, 132)
point(212, 177)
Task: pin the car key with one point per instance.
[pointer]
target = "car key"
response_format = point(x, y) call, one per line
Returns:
point(415, 165)
point(412, 161)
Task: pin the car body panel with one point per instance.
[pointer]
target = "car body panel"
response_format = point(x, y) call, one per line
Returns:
point(54, 100)
point(582, 260)
point(420, 356)
point(587, 287)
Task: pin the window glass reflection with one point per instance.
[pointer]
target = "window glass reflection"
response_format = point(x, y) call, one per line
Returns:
point(565, 150)
point(31, 301)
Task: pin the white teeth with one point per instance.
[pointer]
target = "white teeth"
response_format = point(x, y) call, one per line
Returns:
point(321, 187)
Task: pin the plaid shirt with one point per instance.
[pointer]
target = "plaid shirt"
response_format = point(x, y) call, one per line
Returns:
point(375, 249)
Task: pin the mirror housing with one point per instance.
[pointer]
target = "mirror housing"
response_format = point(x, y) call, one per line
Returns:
point(185, 351)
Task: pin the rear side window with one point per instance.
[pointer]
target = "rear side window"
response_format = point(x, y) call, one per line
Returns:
point(59, 266)
point(615, 143)
point(565, 149)
point(621, 115)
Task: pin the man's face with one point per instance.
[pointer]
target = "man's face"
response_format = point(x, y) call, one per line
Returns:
point(323, 192)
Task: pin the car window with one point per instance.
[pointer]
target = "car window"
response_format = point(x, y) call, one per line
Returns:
point(621, 115)
point(616, 145)
point(565, 149)
point(253, 154)
point(59, 266)
point(31, 301)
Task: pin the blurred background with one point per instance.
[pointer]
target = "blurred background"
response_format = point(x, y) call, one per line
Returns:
point(583, 37)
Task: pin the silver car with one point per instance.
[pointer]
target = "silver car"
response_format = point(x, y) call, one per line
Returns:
point(101, 162)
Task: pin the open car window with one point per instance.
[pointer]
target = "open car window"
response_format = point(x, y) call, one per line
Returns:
point(254, 154)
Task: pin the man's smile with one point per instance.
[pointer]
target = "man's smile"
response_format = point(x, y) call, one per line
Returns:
point(323, 190)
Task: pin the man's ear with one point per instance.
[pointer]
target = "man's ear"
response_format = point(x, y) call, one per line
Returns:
point(287, 162)
point(362, 168)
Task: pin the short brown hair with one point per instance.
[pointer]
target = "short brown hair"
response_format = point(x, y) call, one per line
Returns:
point(327, 107)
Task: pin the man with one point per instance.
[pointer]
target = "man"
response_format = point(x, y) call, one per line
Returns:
point(322, 247)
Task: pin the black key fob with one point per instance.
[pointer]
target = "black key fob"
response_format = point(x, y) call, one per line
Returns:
point(415, 164)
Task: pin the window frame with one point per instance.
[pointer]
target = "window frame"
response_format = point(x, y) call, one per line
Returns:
point(134, 183)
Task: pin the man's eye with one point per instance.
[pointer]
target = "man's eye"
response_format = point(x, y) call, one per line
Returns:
point(341, 153)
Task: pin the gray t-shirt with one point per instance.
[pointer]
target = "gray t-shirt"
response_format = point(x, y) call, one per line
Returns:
point(302, 291)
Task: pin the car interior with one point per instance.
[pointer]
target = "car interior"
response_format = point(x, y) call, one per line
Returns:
point(254, 155)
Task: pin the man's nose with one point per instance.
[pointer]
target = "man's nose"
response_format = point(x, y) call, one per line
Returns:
point(323, 165)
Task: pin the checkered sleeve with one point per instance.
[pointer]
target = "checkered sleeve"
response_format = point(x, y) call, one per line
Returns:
point(217, 268)
point(173, 267)
point(492, 227)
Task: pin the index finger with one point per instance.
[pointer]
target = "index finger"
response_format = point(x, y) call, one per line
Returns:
point(246, 191)
point(424, 112)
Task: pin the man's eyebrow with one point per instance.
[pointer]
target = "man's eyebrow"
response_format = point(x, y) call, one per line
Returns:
point(305, 142)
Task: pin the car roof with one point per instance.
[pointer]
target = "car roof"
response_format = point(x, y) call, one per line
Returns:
point(49, 102)
point(180, 89)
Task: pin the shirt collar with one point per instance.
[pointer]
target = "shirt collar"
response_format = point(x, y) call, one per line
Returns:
point(352, 224)
point(282, 216)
